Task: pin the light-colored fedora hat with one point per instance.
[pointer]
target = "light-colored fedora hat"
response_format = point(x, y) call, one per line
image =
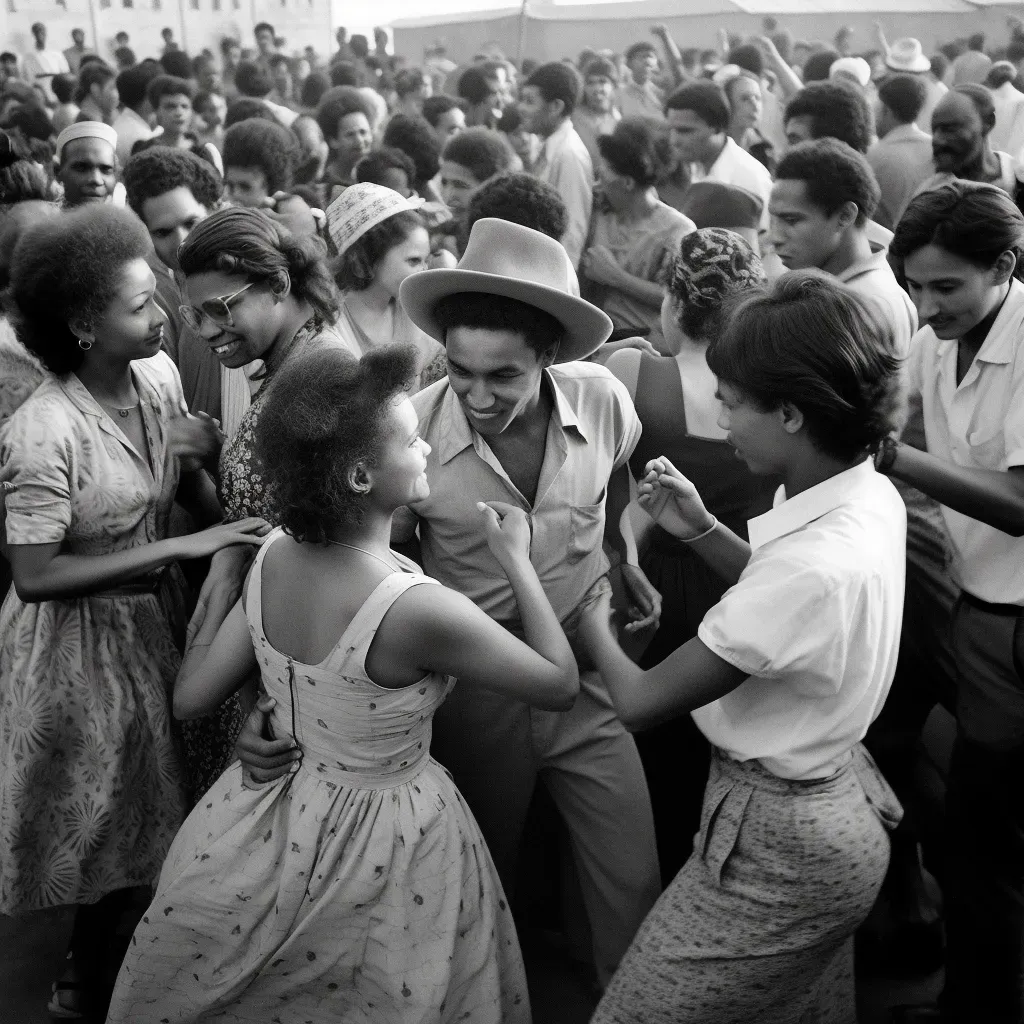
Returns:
point(907, 55)
point(515, 262)
point(361, 207)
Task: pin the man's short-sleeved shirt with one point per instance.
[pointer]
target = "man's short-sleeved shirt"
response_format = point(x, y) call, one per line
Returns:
point(814, 620)
point(873, 278)
point(592, 432)
point(978, 424)
point(735, 166)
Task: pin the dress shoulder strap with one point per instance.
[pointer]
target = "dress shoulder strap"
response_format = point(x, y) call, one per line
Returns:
point(355, 641)
point(254, 593)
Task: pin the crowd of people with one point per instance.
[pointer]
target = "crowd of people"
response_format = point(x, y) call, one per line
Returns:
point(382, 444)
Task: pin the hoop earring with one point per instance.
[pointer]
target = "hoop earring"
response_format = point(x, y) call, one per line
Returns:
point(84, 344)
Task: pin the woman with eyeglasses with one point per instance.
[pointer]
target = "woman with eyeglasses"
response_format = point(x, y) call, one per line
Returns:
point(91, 789)
point(254, 292)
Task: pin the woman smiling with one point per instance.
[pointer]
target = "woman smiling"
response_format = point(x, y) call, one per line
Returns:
point(255, 292)
point(89, 648)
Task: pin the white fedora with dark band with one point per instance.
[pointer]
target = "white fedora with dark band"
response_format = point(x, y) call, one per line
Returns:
point(507, 259)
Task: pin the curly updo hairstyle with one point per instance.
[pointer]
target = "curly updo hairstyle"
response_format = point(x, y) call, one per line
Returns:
point(355, 268)
point(247, 243)
point(710, 269)
point(324, 413)
point(848, 390)
point(69, 268)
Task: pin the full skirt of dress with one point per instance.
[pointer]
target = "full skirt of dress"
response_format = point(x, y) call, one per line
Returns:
point(320, 899)
point(91, 789)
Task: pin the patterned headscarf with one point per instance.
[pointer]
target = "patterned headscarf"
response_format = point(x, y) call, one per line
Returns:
point(712, 265)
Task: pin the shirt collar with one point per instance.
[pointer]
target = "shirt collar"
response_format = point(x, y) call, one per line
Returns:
point(791, 514)
point(457, 434)
point(128, 114)
point(557, 138)
point(904, 132)
point(725, 157)
point(876, 261)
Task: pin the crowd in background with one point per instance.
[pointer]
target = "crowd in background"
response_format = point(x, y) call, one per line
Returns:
point(337, 300)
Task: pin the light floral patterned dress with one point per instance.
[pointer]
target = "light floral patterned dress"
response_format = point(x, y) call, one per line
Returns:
point(210, 741)
point(90, 790)
point(357, 890)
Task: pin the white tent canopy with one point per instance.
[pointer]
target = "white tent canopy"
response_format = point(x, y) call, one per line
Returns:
point(557, 30)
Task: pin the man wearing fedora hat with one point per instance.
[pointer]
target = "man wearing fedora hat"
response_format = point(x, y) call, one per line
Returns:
point(520, 421)
point(906, 57)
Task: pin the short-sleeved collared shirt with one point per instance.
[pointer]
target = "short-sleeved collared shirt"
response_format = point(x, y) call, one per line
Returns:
point(874, 279)
point(735, 166)
point(565, 165)
point(815, 621)
point(592, 432)
point(978, 424)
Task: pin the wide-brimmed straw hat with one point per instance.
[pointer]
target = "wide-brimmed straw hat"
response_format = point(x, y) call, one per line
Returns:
point(907, 55)
point(515, 262)
point(361, 207)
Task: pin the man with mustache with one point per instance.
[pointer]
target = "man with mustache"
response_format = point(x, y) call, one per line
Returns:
point(961, 125)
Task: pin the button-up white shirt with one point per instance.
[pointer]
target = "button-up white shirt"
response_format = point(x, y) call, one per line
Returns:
point(42, 66)
point(565, 165)
point(735, 166)
point(815, 621)
point(978, 424)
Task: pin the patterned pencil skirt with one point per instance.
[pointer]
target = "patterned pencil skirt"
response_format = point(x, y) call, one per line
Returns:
point(758, 925)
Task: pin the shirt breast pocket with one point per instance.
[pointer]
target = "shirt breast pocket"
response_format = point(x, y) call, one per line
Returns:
point(586, 530)
point(987, 451)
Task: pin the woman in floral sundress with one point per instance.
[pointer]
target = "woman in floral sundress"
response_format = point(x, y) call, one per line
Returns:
point(90, 794)
point(359, 887)
point(254, 292)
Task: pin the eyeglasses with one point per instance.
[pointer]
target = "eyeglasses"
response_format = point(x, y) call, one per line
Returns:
point(217, 310)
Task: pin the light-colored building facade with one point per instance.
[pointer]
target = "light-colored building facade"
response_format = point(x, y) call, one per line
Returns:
point(197, 24)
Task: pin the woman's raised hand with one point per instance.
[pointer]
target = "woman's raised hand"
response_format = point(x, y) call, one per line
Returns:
point(194, 437)
point(508, 531)
point(672, 501)
point(206, 542)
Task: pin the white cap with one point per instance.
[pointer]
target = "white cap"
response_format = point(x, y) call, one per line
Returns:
point(856, 68)
point(85, 130)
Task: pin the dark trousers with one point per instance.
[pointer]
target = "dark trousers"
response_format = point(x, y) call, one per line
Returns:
point(984, 876)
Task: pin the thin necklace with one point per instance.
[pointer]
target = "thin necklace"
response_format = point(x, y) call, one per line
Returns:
point(352, 547)
point(123, 413)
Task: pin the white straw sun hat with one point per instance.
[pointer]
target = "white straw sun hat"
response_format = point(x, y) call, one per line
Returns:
point(361, 207)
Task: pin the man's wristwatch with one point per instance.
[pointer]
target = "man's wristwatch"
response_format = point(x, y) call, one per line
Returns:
point(886, 455)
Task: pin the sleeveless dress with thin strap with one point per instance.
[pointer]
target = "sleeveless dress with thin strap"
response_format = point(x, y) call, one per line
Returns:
point(358, 889)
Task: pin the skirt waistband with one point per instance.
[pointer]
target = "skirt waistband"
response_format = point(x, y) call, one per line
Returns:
point(334, 775)
point(755, 774)
point(859, 768)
